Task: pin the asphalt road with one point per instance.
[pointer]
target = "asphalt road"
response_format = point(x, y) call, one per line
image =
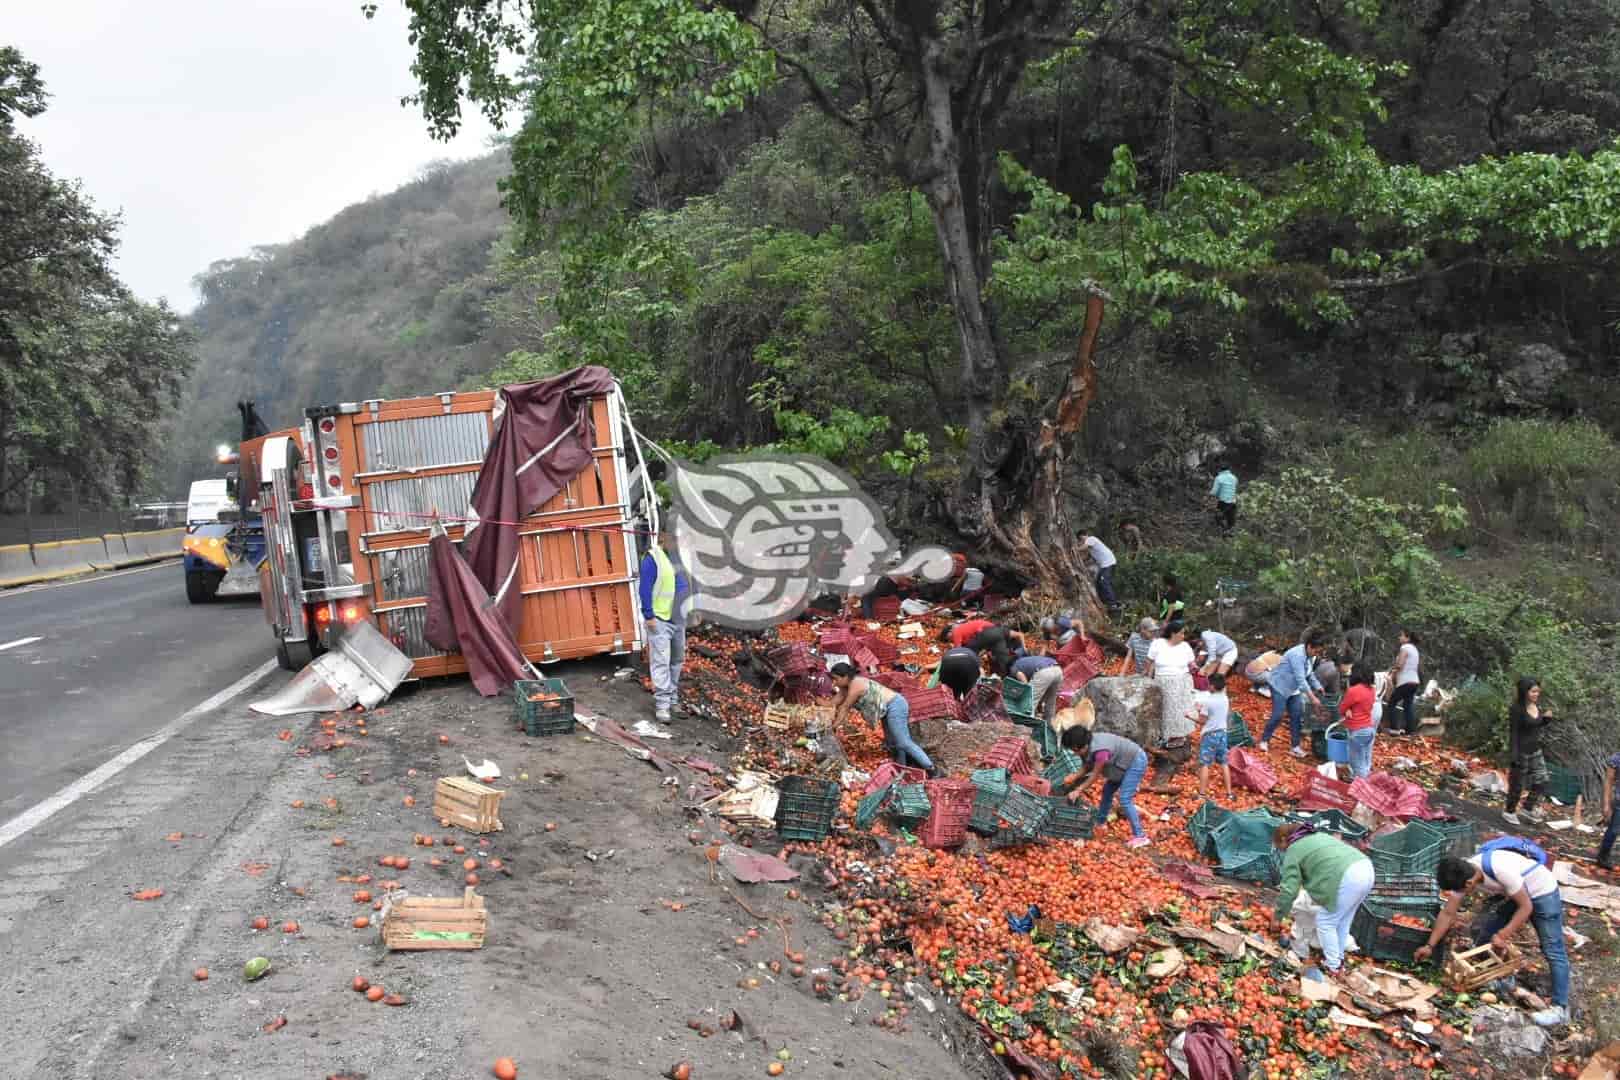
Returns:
point(118, 657)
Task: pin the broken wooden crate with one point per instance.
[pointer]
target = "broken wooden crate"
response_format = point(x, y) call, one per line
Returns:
point(436, 922)
point(1473, 968)
point(467, 803)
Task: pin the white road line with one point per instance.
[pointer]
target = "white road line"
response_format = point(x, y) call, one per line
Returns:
point(19, 641)
point(36, 815)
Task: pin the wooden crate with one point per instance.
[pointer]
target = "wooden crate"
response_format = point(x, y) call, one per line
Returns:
point(434, 922)
point(779, 716)
point(467, 803)
point(1473, 968)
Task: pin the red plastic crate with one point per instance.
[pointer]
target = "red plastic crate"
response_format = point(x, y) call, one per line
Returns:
point(807, 689)
point(886, 651)
point(1320, 792)
point(835, 638)
point(894, 773)
point(1078, 648)
point(861, 657)
point(886, 608)
point(1078, 672)
point(903, 681)
point(952, 803)
point(794, 659)
point(983, 704)
point(933, 703)
point(1013, 754)
point(1040, 785)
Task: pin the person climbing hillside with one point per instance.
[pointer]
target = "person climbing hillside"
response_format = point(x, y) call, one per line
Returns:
point(1224, 492)
point(1611, 813)
point(1102, 557)
point(1527, 771)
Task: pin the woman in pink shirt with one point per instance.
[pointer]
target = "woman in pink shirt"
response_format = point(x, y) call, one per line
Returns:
point(1356, 711)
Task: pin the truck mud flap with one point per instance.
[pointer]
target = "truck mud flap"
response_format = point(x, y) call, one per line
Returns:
point(362, 669)
point(240, 580)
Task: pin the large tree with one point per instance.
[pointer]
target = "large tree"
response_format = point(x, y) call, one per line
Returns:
point(923, 87)
point(85, 368)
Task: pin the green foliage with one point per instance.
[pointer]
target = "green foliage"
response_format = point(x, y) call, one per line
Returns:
point(1338, 554)
point(1552, 477)
point(913, 453)
point(86, 370)
point(844, 438)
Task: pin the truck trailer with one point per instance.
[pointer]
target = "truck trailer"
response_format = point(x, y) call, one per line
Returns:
point(349, 499)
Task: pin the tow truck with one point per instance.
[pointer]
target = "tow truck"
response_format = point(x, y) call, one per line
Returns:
point(224, 542)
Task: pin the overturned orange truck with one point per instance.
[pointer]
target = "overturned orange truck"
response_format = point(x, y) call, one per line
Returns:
point(349, 498)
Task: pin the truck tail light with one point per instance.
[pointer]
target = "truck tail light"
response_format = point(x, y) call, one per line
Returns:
point(306, 492)
point(334, 481)
point(323, 615)
point(351, 612)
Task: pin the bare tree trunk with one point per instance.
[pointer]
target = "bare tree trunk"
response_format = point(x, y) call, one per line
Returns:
point(1010, 496)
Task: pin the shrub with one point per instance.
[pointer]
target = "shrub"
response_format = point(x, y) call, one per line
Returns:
point(1549, 477)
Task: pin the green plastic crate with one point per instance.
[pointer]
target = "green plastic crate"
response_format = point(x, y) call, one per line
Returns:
point(910, 802)
point(1459, 834)
point(1416, 849)
point(1237, 732)
point(1332, 820)
point(996, 781)
point(1378, 934)
point(871, 806)
point(805, 807)
point(985, 821)
point(1023, 811)
point(1244, 849)
point(1202, 827)
point(1564, 785)
point(1067, 820)
point(1064, 762)
point(1018, 698)
point(555, 717)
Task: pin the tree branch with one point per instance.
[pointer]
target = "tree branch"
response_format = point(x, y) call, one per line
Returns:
point(1367, 283)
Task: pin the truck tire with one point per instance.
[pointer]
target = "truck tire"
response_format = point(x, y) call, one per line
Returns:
point(294, 655)
point(200, 586)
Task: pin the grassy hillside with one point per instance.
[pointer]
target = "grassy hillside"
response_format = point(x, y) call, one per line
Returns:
point(388, 298)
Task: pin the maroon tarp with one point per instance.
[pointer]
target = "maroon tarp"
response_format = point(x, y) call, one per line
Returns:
point(461, 618)
point(542, 440)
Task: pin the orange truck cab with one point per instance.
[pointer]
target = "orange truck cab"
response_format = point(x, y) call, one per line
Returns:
point(348, 501)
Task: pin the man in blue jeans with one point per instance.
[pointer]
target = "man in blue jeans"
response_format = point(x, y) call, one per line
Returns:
point(1526, 891)
point(664, 604)
point(1102, 557)
point(1611, 814)
point(1291, 682)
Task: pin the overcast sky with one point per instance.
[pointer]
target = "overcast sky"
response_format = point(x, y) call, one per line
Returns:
point(216, 125)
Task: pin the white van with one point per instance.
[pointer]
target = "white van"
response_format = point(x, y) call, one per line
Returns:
point(207, 499)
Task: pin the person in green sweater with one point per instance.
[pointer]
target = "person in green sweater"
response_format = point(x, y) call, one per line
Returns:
point(1337, 877)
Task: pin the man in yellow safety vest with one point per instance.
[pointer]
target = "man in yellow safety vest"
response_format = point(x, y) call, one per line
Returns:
point(664, 595)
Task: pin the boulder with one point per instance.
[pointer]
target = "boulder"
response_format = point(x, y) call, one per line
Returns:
point(1507, 1032)
point(1532, 373)
point(1127, 705)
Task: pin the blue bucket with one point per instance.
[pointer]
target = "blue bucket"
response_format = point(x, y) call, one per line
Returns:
point(1338, 744)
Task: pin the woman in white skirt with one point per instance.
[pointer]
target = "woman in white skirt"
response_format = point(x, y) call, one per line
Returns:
point(1170, 662)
